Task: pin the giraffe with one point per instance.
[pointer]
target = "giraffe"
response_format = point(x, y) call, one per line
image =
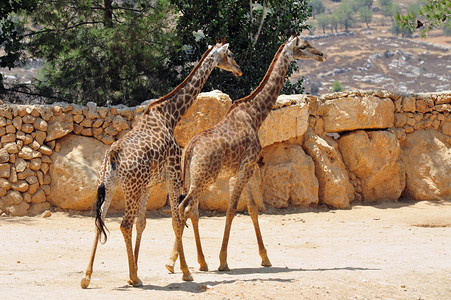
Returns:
point(232, 147)
point(147, 155)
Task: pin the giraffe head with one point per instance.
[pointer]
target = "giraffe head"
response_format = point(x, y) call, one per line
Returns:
point(225, 60)
point(301, 49)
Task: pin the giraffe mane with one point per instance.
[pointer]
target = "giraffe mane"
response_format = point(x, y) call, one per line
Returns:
point(170, 94)
point(262, 83)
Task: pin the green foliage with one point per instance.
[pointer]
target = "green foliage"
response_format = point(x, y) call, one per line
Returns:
point(432, 14)
point(366, 15)
point(108, 52)
point(318, 7)
point(323, 21)
point(345, 14)
point(336, 87)
point(255, 30)
point(388, 8)
point(11, 29)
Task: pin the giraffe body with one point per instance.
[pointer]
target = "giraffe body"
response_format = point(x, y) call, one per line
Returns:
point(233, 147)
point(149, 154)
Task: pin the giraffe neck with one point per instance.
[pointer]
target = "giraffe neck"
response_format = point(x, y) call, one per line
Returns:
point(260, 102)
point(174, 105)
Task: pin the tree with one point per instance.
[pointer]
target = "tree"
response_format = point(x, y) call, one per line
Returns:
point(255, 31)
point(345, 14)
point(366, 15)
point(388, 8)
point(336, 87)
point(109, 52)
point(11, 29)
point(433, 14)
point(318, 7)
point(323, 21)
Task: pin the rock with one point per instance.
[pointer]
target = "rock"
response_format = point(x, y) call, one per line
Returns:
point(40, 124)
point(59, 126)
point(38, 197)
point(47, 214)
point(119, 123)
point(11, 148)
point(408, 104)
point(353, 113)
point(18, 210)
point(28, 153)
point(427, 155)
point(374, 157)
point(4, 155)
point(20, 186)
point(218, 194)
point(207, 110)
point(335, 188)
point(288, 176)
point(5, 170)
point(12, 198)
point(74, 175)
point(37, 208)
point(293, 117)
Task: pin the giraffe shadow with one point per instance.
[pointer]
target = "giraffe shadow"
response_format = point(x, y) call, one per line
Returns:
point(203, 286)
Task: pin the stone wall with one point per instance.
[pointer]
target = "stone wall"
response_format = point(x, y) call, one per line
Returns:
point(333, 150)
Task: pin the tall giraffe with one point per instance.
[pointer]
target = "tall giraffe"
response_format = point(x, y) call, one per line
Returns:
point(149, 154)
point(232, 147)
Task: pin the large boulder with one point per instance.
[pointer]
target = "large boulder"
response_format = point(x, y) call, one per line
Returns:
point(374, 157)
point(427, 157)
point(288, 176)
point(59, 126)
point(357, 112)
point(217, 196)
point(74, 174)
point(335, 188)
point(207, 110)
point(287, 120)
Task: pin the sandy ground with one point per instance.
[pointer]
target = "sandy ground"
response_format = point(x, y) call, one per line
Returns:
point(395, 251)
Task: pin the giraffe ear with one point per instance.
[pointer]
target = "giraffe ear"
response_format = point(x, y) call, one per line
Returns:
point(223, 49)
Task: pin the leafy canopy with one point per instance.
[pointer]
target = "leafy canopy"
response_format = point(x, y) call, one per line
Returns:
point(254, 29)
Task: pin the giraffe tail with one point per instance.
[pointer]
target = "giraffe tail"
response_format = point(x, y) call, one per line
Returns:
point(100, 224)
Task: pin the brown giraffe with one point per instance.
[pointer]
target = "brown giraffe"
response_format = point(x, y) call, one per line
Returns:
point(149, 154)
point(232, 147)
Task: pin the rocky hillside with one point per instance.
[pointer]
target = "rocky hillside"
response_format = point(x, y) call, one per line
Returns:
point(373, 59)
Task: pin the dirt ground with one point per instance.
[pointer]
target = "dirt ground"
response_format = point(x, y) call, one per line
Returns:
point(396, 251)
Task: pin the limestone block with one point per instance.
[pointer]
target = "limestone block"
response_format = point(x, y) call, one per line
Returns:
point(4, 155)
point(335, 188)
point(8, 138)
point(5, 170)
point(74, 173)
point(374, 157)
point(293, 118)
point(38, 197)
point(427, 155)
point(408, 104)
point(18, 210)
point(11, 147)
point(446, 128)
point(37, 208)
point(119, 123)
point(40, 124)
point(353, 113)
point(288, 176)
point(59, 126)
point(20, 186)
point(207, 110)
point(218, 194)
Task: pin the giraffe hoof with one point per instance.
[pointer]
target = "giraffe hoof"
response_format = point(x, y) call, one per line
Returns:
point(266, 263)
point(85, 282)
point(187, 277)
point(137, 283)
point(170, 268)
point(224, 268)
point(203, 268)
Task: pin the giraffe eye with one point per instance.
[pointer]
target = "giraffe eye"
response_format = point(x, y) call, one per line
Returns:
point(302, 47)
